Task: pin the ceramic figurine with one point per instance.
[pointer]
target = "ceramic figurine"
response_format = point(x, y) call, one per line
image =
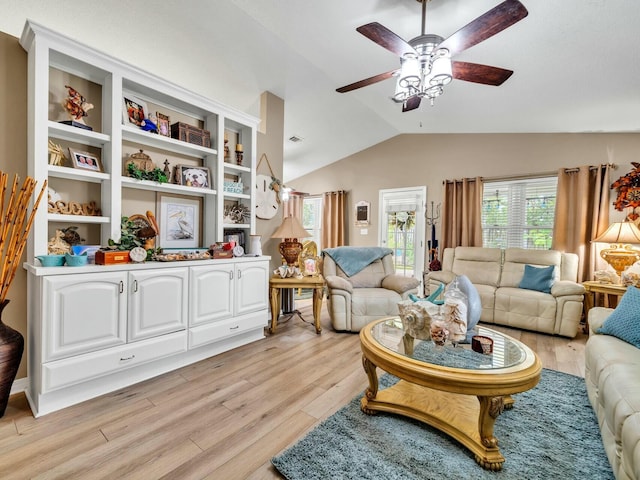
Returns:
point(76, 105)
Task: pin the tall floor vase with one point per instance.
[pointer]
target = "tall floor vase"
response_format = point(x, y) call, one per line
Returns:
point(11, 348)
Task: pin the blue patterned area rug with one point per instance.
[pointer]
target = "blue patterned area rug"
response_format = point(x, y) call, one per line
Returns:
point(551, 433)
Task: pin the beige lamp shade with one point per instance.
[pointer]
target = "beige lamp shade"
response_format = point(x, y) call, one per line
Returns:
point(620, 255)
point(290, 230)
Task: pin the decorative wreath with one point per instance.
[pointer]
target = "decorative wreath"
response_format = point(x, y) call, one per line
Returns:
point(628, 188)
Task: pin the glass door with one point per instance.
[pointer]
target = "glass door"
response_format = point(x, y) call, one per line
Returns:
point(402, 228)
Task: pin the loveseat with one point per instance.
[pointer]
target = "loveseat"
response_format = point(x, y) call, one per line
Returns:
point(612, 376)
point(497, 275)
point(362, 286)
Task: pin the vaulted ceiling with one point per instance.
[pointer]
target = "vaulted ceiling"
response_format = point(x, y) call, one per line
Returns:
point(576, 63)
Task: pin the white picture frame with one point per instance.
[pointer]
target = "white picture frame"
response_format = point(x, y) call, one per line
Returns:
point(362, 214)
point(180, 221)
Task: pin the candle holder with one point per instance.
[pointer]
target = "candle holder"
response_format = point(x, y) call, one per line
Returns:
point(239, 154)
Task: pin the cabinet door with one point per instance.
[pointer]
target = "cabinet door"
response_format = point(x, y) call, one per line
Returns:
point(211, 294)
point(83, 313)
point(157, 302)
point(251, 287)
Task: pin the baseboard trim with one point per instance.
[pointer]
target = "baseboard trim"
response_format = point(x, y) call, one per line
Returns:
point(19, 385)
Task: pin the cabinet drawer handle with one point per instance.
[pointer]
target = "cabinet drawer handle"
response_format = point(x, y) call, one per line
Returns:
point(230, 274)
point(239, 273)
point(121, 286)
point(234, 328)
point(135, 285)
point(127, 358)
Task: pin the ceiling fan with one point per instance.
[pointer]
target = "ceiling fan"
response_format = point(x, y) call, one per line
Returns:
point(426, 64)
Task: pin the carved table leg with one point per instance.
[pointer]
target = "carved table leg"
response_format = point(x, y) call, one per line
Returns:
point(490, 409)
point(372, 390)
point(317, 307)
point(274, 298)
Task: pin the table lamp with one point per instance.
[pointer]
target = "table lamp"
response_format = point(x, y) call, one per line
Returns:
point(620, 255)
point(290, 231)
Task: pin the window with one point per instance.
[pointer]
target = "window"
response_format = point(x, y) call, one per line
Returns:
point(312, 218)
point(519, 213)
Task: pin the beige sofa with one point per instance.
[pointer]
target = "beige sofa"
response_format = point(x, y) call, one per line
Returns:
point(496, 274)
point(374, 292)
point(612, 376)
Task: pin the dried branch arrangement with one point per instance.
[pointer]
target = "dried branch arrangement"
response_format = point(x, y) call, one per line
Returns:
point(15, 225)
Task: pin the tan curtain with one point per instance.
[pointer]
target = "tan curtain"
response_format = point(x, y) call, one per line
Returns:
point(333, 218)
point(582, 213)
point(293, 206)
point(462, 213)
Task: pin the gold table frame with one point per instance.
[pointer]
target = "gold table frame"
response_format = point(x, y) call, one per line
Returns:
point(276, 284)
point(462, 403)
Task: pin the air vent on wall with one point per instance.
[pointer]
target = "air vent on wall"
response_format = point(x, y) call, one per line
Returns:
point(295, 138)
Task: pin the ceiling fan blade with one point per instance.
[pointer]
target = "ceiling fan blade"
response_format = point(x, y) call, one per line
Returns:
point(411, 103)
point(386, 38)
point(485, 26)
point(366, 81)
point(474, 72)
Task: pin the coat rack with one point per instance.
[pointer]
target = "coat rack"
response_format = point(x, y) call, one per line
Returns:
point(432, 220)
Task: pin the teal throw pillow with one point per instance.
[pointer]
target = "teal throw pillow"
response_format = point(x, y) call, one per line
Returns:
point(537, 278)
point(624, 321)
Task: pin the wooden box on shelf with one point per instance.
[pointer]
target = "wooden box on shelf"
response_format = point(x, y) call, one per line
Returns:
point(190, 134)
point(112, 257)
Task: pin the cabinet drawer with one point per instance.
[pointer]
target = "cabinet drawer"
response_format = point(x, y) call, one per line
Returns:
point(80, 368)
point(226, 328)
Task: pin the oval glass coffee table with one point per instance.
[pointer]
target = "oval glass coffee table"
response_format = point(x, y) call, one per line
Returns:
point(454, 389)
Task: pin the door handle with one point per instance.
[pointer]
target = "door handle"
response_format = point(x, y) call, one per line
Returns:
point(121, 286)
point(135, 285)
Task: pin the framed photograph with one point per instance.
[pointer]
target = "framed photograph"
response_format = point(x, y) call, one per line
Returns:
point(180, 220)
point(85, 160)
point(191, 176)
point(310, 265)
point(164, 125)
point(362, 214)
point(134, 110)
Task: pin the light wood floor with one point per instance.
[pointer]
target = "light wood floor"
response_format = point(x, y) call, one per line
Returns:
point(222, 418)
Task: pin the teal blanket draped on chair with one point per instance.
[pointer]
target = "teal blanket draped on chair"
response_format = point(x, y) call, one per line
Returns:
point(353, 259)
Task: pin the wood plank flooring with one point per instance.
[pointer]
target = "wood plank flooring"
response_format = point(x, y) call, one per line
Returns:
point(222, 418)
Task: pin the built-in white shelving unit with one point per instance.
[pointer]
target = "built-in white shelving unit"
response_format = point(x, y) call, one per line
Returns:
point(97, 328)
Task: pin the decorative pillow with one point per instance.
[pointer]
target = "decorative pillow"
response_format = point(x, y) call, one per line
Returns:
point(624, 321)
point(537, 278)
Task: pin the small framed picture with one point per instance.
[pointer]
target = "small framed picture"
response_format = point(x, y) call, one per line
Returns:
point(85, 160)
point(164, 125)
point(134, 110)
point(362, 214)
point(310, 265)
point(191, 176)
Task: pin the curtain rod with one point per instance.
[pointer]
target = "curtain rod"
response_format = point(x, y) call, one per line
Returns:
point(531, 175)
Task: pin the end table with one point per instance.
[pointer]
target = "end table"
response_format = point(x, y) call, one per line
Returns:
point(276, 284)
point(592, 288)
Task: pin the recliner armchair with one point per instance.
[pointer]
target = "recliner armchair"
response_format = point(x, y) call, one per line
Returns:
point(371, 293)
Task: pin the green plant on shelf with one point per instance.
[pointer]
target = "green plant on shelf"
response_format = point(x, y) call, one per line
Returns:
point(156, 175)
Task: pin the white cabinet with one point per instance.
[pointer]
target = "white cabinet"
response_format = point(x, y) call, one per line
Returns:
point(157, 302)
point(103, 328)
point(226, 300)
point(252, 292)
point(94, 329)
point(83, 313)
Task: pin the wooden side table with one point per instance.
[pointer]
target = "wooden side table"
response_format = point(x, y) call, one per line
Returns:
point(276, 284)
point(609, 291)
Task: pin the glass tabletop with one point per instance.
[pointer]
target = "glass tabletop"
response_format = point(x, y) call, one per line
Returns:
point(507, 352)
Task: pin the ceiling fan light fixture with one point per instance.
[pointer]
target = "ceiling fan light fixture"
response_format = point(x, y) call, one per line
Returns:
point(409, 72)
point(441, 71)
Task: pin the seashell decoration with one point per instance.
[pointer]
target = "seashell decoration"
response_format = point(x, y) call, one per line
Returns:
point(416, 319)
